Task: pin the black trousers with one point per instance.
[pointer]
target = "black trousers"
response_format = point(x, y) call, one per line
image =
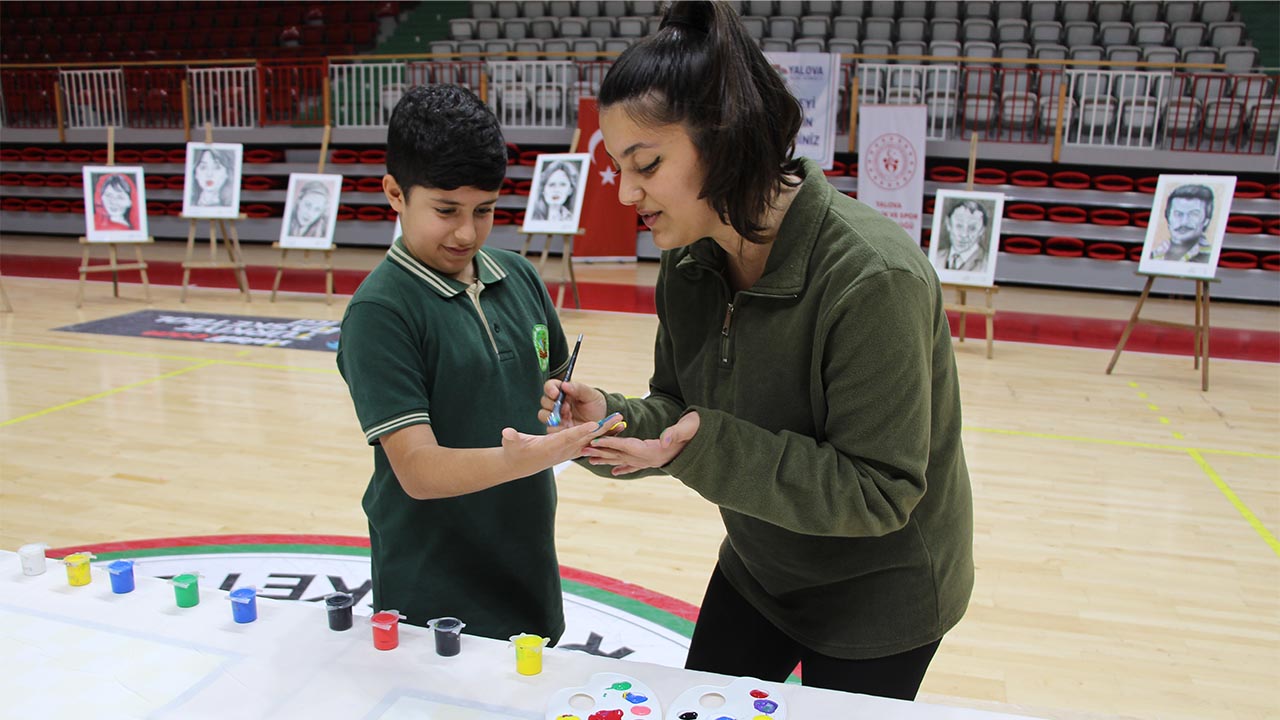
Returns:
point(732, 638)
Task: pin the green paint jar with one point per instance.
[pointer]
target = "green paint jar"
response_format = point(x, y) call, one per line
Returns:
point(186, 589)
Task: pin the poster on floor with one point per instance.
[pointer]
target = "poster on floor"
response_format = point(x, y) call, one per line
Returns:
point(966, 235)
point(115, 204)
point(814, 79)
point(310, 211)
point(555, 198)
point(212, 186)
point(891, 156)
point(1188, 222)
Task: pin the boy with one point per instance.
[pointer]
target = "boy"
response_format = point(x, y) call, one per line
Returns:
point(445, 348)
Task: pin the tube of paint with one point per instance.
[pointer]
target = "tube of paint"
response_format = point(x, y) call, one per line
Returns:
point(78, 568)
point(121, 576)
point(339, 607)
point(448, 632)
point(244, 604)
point(186, 589)
point(33, 559)
point(386, 629)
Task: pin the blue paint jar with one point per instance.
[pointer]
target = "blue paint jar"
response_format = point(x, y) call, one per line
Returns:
point(244, 605)
point(121, 576)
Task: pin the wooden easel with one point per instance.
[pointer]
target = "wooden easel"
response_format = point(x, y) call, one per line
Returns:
point(1200, 327)
point(566, 265)
point(963, 307)
point(327, 263)
point(113, 265)
point(5, 305)
point(235, 259)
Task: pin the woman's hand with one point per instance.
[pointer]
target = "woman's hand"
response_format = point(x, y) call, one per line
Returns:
point(628, 455)
point(582, 404)
point(531, 453)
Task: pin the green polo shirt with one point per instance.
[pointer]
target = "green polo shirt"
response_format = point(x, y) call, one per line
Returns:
point(419, 347)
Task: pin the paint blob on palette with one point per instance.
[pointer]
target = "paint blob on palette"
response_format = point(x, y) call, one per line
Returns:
point(742, 699)
point(606, 696)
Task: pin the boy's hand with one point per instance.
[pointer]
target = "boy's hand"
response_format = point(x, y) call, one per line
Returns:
point(582, 405)
point(536, 452)
point(628, 455)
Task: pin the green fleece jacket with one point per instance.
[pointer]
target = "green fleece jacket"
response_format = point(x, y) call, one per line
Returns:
point(830, 426)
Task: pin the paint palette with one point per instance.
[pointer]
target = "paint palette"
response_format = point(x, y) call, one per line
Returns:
point(743, 699)
point(607, 696)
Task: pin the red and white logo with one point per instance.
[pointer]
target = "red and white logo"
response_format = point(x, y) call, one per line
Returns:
point(891, 161)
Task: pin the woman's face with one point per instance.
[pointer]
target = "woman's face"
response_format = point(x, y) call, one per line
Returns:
point(661, 175)
point(310, 207)
point(557, 188)
point(116, 201)
point(210, 174)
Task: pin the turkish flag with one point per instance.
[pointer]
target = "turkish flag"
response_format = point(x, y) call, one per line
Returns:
point(610, 226)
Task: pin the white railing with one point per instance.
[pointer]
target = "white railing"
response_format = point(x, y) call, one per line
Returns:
point(934, 86)
point(531, 93)
point(224, 96)
point(1116, 108)
point(364, 95)
point(94, 98)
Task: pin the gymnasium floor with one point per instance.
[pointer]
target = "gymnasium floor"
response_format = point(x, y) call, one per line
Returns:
point(1126, 545)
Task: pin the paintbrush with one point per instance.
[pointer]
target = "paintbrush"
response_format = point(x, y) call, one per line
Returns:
point(554, 419)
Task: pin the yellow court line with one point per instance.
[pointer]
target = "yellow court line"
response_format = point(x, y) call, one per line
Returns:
point(98, 396)
point(1235, 500)
point(162, 356)
point(1122, 443)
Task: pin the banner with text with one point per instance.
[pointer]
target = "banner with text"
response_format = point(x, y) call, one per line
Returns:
point(891, 162)
point(814, 79)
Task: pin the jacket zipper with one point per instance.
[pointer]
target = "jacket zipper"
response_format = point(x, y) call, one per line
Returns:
point(724, 335)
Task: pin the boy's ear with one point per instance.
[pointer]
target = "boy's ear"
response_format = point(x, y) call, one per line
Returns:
point(395, 195)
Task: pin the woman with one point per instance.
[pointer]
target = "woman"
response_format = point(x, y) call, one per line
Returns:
point(803, 376)
point(211, 174)
point(310, 211)
point(558, 191)
point(114, 207)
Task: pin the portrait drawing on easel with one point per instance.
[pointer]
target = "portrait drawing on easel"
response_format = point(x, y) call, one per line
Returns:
point(966, 236)
point(212, 186)
point(115, 204)
point(310, 211)
point(555, 199)
point(1187, 225)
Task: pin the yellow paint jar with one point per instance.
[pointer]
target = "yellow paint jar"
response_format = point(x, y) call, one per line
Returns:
point(528, 653)
point(78, 569)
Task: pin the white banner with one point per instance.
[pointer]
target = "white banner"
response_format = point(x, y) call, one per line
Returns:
point(891, 162)
point(814, 79)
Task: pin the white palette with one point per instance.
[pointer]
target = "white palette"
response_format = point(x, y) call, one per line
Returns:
point(607, 696)
point(742, 699)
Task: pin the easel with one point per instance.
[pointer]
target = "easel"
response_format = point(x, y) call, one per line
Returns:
point(5, 305)
point(964, 307)
point(566, 265)
point(235, 259)
point(566, 251)
point(113, 265)
point(327, 264)
point(1200, 327)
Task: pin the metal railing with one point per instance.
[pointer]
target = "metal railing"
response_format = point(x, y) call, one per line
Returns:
point(93, 98)
point(225, 97)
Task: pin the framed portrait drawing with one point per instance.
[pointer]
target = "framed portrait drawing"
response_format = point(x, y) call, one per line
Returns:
point(966, 236)
point(212, 186)
point(1188, 222)
point(555, 200)
point(115, 204)
point(310, 211)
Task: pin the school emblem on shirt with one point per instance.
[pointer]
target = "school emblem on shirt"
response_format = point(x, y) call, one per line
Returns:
point(542, 346)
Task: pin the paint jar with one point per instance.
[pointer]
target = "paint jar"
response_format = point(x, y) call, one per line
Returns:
point(448, 632)
point(33, 560)
point(339, 606)
point(121, 576)
point(386, 629)
point(78, 568)
point(186, 589)
point(528, 653)
point(244, 604)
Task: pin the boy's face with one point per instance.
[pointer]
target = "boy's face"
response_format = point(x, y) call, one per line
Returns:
point(443, 228)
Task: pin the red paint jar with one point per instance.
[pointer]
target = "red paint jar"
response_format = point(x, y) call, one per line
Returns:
point(386, 629)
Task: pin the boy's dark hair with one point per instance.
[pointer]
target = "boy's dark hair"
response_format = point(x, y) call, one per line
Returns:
point(443, 136)
point(701, 69)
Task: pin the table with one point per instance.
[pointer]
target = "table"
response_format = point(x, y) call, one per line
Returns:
point(86, 652)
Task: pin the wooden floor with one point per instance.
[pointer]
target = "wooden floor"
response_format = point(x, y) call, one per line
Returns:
point(1126, 550)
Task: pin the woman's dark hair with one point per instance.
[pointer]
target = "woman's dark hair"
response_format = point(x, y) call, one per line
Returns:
point(444, 137)
point(225, 158)
point(703, 70)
